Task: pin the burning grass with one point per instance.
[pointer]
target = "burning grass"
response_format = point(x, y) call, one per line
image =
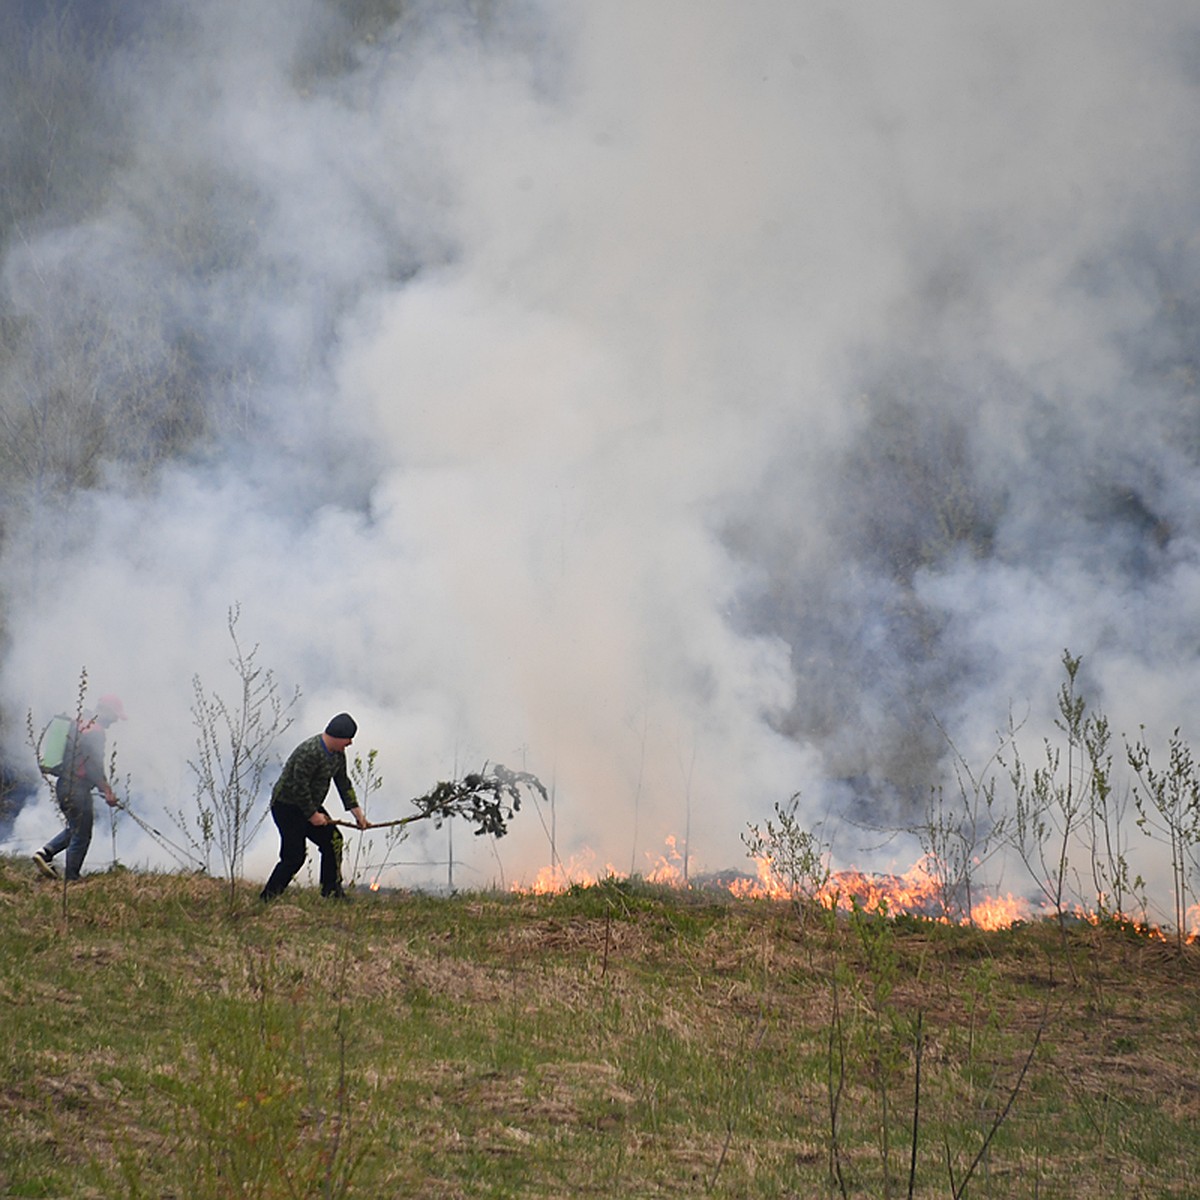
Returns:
point(918, 892)
point(620, 1039)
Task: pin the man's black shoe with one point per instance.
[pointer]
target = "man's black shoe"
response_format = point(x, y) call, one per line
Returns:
point(44, 865)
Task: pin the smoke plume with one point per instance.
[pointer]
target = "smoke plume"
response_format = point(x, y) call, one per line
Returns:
point(690, 405)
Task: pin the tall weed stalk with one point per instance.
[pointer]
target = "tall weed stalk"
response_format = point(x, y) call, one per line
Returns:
point(1054, 802)
point(1168, 803)
point(234, 746)
point(959, 839)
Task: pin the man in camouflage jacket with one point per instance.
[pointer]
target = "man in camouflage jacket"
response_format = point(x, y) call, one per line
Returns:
point(297, 807)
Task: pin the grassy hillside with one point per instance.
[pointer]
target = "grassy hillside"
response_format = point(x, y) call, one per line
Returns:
point(618, 1041)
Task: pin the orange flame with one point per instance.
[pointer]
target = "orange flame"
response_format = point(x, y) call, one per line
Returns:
point(669, 869)
point(563, 874)
point(918, 891)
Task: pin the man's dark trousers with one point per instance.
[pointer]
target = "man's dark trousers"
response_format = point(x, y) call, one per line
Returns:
point(294, 830)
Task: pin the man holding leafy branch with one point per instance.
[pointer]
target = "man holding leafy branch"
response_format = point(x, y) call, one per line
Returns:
point(297, 807)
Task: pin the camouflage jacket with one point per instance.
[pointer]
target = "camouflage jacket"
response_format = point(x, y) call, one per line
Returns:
point(307, 774)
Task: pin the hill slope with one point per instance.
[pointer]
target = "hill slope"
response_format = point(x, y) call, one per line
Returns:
point(616, 1041)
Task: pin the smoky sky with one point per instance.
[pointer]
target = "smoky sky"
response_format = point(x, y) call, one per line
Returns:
point(692, 404)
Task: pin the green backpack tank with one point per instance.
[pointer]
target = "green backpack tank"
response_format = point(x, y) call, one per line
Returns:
point(54, 744)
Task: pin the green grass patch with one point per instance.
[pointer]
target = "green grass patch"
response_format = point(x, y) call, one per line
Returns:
point(622, 1040)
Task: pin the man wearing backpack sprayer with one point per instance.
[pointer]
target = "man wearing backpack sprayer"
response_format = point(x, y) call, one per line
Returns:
point(81, 772)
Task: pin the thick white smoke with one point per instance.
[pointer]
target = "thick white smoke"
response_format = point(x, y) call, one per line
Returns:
point(690, 404)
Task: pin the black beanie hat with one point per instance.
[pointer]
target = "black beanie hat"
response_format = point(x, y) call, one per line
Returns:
point(342, 726)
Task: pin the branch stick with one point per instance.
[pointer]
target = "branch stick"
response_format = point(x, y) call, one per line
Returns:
point(382, 824)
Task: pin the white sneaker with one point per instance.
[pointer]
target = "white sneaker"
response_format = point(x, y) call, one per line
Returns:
point(44, 865)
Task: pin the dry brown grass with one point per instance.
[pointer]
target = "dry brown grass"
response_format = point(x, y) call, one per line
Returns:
point(621, 1044)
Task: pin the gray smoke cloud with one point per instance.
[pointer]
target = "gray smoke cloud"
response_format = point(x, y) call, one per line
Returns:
point(691, 405)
